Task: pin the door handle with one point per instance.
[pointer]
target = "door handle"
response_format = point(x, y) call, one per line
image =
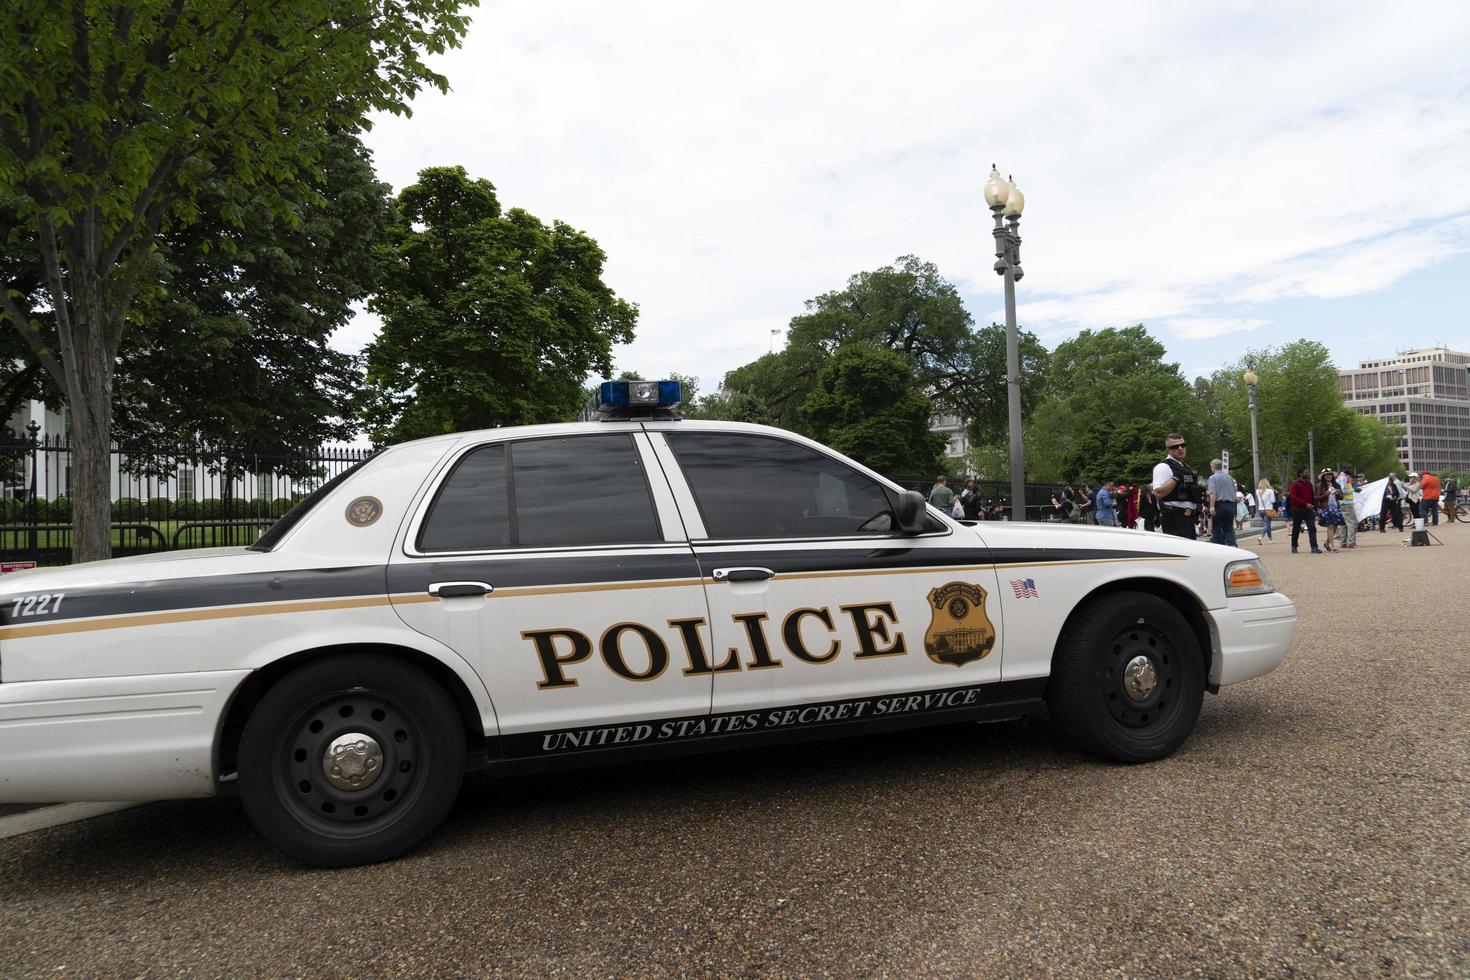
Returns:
point(742, 574)
point(453, 590)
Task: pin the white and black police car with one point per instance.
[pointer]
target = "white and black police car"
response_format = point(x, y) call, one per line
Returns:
point(559, 595)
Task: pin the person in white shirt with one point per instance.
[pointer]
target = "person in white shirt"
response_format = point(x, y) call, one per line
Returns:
point(1265, 505)
point(1178, 489)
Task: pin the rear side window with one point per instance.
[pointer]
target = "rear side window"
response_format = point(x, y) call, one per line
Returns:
point(582, 490)
point(543, 493)
point(760, 487)
point(472, 511)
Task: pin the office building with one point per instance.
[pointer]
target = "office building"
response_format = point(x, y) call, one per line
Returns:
point(1426, 391)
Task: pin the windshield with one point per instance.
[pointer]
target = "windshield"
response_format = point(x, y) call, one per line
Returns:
point(292, 517)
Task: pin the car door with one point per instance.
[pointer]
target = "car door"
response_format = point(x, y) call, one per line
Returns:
point(813, 595)
point(560, 570)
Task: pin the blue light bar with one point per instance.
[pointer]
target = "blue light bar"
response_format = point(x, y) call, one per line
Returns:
point(639, 394)
point(623, 401)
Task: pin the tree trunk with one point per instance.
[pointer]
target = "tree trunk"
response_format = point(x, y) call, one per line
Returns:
point(90, 369)
point(91, 485)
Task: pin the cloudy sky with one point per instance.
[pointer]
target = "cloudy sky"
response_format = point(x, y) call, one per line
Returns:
point(1230, 175)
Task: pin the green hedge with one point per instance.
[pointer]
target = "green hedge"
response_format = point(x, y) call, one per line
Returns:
point(128, 509)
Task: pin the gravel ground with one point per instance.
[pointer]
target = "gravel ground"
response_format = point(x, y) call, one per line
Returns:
point(1317, 823)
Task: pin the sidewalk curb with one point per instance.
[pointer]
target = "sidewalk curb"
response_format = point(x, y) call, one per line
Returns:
point(55, 816)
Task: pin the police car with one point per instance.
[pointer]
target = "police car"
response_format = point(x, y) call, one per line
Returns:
point(559, 595)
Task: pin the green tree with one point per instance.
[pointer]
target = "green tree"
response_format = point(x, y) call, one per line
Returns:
point(489, 318)
point(1125, 451)
point(114, 119)
point(910, 309)
point(234, 354)
point(21, 278)
point(1297, 393)
point(1105, 392)
point(866, 404)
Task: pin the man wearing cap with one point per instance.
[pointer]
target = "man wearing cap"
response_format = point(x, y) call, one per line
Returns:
point(1177, 487)
point(1348, 533)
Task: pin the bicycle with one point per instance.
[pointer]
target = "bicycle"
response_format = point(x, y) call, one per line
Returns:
point(1456, 510)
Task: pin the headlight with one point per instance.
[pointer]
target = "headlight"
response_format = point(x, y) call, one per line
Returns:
point(1247, 578)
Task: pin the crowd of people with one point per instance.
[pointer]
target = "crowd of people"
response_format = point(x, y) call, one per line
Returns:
point(1179, 501)
point(968, 504)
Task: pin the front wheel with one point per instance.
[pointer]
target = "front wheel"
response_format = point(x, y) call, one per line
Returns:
point(350, 760)
point(1128, 678)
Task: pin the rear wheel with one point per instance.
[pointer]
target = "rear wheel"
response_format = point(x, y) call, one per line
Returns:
point(1128, 678)
point(351, 760)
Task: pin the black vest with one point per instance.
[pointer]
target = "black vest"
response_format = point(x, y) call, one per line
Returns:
point(1187, 489)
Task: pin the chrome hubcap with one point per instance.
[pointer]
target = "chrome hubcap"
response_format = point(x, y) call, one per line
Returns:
point(352, 761)
point(1139, 678)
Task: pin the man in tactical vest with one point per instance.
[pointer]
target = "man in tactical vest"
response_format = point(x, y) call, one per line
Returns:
point(1178, 489)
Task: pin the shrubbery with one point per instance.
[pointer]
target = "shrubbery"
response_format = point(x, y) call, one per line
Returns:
point(159, 509)
point(186, 510)
point(127, 509)
point(280, 505)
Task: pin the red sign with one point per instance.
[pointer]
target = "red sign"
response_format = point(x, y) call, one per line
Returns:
point(15, 566)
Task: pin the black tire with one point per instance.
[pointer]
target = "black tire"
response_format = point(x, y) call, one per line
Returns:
point(301, 808)
point(1090, 697)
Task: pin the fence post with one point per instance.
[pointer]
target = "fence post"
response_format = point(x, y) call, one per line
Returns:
point(33, 427)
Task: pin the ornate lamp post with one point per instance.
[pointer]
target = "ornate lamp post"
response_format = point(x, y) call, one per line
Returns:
point(1250, 387)
point(1006, 202)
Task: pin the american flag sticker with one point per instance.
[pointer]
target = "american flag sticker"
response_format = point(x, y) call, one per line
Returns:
point(1025, 588)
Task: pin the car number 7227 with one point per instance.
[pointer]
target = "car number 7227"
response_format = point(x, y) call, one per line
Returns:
point(37, 605)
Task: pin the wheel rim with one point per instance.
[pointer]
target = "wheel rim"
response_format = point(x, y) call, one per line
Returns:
point(350, 763)
point(1140, 676)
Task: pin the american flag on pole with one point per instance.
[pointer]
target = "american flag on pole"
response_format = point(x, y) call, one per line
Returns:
point(1025, 588)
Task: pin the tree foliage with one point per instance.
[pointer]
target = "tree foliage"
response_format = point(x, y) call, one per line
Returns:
point(1297, 393)
point(867, 405)
point(115, 118)
point(490, 317)
point(907, 308)
point(1106, 393)
point(234, 353)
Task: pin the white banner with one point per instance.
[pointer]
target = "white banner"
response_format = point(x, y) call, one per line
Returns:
point(1369, 502)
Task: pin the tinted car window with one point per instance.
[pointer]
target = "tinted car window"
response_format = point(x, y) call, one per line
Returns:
point(472, 511)
point(758, 487)
point(581, 490)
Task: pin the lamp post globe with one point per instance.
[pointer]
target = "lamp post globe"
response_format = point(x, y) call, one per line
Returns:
point(997, 189)
point(1015, 200)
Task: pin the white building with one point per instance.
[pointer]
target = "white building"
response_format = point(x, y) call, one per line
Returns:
point(953, 429)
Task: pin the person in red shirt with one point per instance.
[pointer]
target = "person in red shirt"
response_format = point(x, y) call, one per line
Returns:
point(1303, 508)
point(1429, 484)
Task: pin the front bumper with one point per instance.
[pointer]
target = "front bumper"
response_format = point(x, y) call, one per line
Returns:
point(148, 737)
point(1251, 635)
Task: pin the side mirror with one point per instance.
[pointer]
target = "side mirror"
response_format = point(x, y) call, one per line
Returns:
point(911, 507)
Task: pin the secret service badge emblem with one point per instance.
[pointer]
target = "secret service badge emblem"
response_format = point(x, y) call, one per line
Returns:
point(960, 631)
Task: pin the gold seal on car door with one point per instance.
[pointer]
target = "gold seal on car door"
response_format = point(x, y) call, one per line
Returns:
point(960, 631)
